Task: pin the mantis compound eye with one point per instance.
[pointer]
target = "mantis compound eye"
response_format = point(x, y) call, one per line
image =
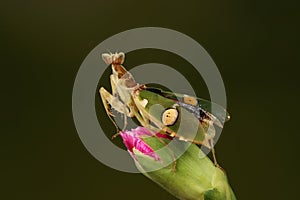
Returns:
point(169, 116)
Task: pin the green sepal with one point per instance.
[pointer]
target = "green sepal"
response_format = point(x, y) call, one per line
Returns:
point(194, 176)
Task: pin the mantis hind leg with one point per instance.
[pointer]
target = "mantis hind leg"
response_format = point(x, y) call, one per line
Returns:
point(107, 100)
point(209, 145)
point(214, 153)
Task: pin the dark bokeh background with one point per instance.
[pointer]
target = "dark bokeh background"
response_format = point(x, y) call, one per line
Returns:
point(43, 43)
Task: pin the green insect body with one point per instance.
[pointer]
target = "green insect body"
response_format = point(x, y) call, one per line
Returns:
point(185, 118)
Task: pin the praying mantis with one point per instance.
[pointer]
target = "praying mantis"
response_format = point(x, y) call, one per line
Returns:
point(134, 100)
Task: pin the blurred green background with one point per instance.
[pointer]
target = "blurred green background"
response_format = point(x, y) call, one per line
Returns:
point(255, 44)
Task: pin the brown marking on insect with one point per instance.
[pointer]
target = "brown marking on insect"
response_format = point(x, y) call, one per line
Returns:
point(118, 58)
point(129, 81)
point(190, 100)
point(115, 60)
point(170, 116)
point(122, 73)
point(120, 70)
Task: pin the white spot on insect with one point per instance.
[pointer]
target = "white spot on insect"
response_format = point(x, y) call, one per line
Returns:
point(175, 105)
point(144, 102)
point(183, 139)
point(173, 134)
point(170, 116)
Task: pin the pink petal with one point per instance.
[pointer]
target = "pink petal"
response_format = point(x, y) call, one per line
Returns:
point(165, 136)
point(141, 131)
point(132, 139)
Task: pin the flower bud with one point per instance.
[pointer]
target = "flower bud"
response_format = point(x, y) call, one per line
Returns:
point(192, 176)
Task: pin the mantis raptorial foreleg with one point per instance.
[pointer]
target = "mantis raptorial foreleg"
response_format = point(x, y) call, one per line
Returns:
point(114, 102)
point(107, 100)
